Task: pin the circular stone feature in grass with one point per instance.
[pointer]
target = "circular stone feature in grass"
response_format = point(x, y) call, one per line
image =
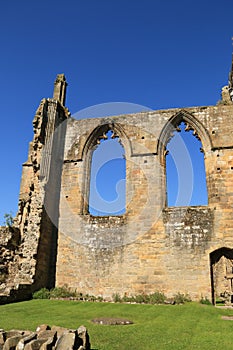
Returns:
point(113, 321)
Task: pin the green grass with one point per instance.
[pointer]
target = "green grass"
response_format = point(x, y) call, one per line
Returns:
point(190, 326)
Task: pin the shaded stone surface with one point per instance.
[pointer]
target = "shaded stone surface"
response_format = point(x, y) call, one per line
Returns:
point(12, 342)
point(59, 330)
point(84, 336)
point(66, 341)
point(27, 339)
point(35, 344)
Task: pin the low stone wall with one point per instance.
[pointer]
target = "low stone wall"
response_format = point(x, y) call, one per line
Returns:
point(45, 338)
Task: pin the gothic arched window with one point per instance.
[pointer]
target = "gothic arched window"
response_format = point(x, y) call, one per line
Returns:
point(107, 195)
point(185, 169)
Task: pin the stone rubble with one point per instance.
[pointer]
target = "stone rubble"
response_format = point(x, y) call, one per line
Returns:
point(45, 338)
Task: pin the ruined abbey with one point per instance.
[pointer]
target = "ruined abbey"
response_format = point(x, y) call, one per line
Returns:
point(56, 241)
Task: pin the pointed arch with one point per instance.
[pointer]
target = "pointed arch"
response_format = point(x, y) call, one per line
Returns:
point(99, 132)
point(181, 188)
point(221, 274)
point(191, 122)
point(94, 139)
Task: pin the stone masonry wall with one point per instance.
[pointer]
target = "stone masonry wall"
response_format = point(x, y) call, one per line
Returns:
point(34, 263)
point(9, 244)
point(151, 247)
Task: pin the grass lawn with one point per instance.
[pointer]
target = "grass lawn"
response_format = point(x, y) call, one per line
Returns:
point(189, 326)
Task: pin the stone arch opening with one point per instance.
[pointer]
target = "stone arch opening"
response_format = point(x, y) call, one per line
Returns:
point(107, 177)
point(178, 148)
point(221, 271)
point(105, 171)
point(185, 169)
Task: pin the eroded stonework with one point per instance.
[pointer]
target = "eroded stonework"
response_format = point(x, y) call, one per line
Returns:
point(152, 247)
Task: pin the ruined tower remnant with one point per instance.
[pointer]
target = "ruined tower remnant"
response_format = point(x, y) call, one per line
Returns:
point(60, 85)
point(151, 247)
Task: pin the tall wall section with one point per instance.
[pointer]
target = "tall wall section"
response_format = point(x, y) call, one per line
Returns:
point(151, 247)
point(33, 264)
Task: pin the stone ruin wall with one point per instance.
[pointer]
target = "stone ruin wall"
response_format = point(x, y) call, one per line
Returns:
point(151, 247)
point(34, 259)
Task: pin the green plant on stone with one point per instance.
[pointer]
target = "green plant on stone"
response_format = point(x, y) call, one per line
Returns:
point(157, 298)
point(99, 298)
point(141, 298)
point(9, 220)
point(54, 293)
point(127, 299)
point(43, 293)
point(154, 298)
point(180, 298)
point(205, 301)
point(116, 298)
point(61, 292)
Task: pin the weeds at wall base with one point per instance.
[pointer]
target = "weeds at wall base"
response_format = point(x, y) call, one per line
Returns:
point(205, 301)
point(153, 298)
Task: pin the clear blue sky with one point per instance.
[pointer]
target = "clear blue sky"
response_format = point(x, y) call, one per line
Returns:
point(156, 53)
